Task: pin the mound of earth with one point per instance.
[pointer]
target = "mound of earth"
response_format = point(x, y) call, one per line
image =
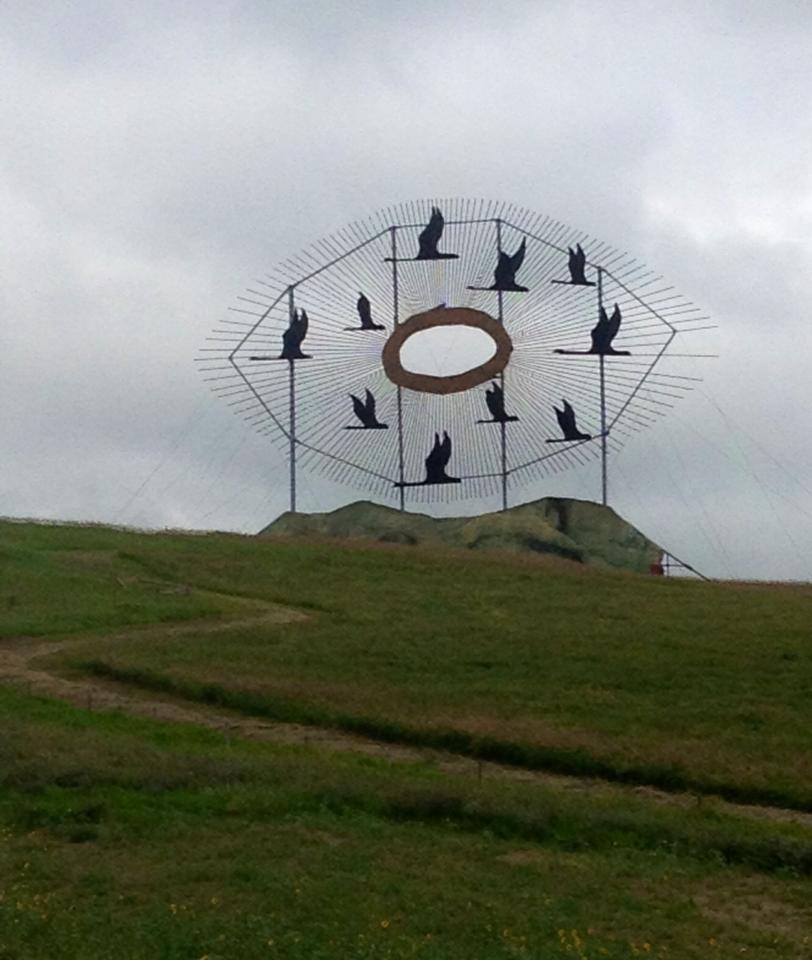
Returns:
point(577, 530)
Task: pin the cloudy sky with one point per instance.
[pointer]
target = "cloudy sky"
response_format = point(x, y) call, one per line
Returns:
point(156, 158)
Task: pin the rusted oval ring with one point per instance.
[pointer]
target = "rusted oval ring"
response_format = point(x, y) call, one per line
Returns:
point(446, 317)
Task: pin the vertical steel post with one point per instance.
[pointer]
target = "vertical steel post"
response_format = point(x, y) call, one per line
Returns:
point(502, 426)
point(604, 437)
point(395, 321)
point(292, 411)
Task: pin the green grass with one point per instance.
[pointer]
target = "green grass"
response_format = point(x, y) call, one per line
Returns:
point(685, 685)
point(69, 579)
point(127, 838)
point(136, 839)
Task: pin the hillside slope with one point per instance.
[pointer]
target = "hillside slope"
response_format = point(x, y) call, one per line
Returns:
point(577, 530)
point(225, 746)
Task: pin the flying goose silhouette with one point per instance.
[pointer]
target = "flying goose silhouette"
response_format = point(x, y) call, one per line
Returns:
point(292, 338)
point(603, 333)
point(504, 276)
point(495, 401)
point(430, 236)
point(436, 462)
point(566, 420)
point(364, 308)
point(427, 240)
point(577, 268)
point(365, 411)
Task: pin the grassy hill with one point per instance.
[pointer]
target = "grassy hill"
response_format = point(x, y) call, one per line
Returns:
point(225, 746)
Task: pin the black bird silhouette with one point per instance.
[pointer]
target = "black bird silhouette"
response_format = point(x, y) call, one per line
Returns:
point(504, 276)
point(495, 400)
point(365, 411)
point(603, 333)
point(566, 420)
point(436, 462)
point(364, 308)
point(577, 268)
point(430, 236)
point(292, 338)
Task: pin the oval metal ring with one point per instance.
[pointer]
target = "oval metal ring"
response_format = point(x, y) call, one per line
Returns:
point(446, 317)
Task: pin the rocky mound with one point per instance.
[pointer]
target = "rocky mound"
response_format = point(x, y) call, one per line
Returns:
point(575, 529)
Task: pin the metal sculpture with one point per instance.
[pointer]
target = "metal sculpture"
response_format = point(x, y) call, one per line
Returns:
point(603, 333)
point(566, 420)
point(365, 411)
point(535, 320)
point(364, 308)
point(430, 237)
point(504, 276)
point(427, 242)
point(576, 264)
point(446, 317)
point(293, 338)
point(495, 402)
point(436, 462)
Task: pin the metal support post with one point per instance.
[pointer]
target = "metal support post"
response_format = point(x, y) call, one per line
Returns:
point(604, 437)
point(292, 411)
point(395, 321)
point(502, 426)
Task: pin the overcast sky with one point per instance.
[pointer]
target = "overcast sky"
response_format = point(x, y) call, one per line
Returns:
point(156, 158)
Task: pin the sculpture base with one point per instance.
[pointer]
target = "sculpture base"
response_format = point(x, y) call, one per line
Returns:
point(576, 530)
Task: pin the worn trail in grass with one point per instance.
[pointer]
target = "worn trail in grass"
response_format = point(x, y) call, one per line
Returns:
point(18, 666)
point(682, 685)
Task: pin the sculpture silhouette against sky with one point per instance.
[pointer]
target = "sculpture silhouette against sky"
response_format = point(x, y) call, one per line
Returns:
point(342, 400)
point(566, 421)
point(495, 402)
point(576, 264)
point(364, 308)
point(364, 410)
point(436, 463)
point(507, 266)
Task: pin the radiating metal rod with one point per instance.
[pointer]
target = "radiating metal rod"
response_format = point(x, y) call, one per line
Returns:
point(448, 223)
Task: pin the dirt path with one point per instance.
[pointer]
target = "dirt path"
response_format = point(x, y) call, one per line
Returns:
point(18, 666)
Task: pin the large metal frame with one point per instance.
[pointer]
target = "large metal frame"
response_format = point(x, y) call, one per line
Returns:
point(372, 257)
